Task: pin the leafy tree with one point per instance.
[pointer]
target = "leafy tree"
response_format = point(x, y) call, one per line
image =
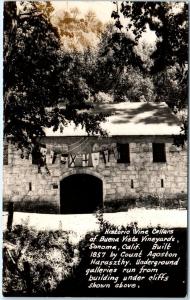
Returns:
point(118, 70)
point(78, 32)
point(168, 88)
point(116, 52)
point(46, 8)
point(170, 23)
point(28, 71)
point(169, 20)
point(10, 26)
point(42, 83)
point(38, 75)
point(134, 86)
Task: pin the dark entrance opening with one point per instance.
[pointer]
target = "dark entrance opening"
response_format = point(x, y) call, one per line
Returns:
point(80, 194)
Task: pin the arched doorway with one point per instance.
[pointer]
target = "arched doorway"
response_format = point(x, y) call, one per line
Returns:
point(80, 194)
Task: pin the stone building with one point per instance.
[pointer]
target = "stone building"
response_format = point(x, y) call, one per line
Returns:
point(137, 158)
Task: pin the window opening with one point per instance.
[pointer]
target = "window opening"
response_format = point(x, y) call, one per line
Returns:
point(123, 153)
point(159, 152)
point(132, 184)
point(162, 183)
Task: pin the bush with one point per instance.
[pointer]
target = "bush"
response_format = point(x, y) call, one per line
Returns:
point(148, 201)
point(180, 201)
point(37, 205)
point(119, 205)
point(166, 201)
point(35, 262)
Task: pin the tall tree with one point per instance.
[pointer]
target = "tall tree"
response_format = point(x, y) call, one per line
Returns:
point(39, 75)
point(78, 32)
point(28, 71)
point(116, 52)
point(169, 21)
point(118, 70)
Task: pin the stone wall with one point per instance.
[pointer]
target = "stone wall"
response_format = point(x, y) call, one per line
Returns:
point(32, 191)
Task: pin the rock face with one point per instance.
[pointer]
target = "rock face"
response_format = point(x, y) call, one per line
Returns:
point(121, 178)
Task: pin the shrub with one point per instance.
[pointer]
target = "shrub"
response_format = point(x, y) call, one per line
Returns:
point(166, 201)
point(37, 205)
point(35, 262)
point(119, 205)
point(148, 201)
point(179, 201)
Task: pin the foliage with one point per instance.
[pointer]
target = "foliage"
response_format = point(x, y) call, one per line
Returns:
point(181, 201)
point(120, 205)
point(148, 201)
point(134, 86)
point(116, 52)
point(57, 268)
point(47, 83)
point(102, 97)
point(115, 71)
point(170, 90)
point(49, 255)
point(78, 33)
point(27, 205)
point(169, 21)
point(164, 201)
point(39, 75)
point(27, 73)
point(167, 62)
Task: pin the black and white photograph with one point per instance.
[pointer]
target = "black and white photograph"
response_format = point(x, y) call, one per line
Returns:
point(95, 119)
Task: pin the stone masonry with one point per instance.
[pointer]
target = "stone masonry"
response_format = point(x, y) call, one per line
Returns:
point(33, 191)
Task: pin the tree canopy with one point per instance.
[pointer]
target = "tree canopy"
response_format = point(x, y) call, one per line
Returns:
point(169, 21)
point(28, 69)
point(52, 69)
point(77, 32)
point(38, 74)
